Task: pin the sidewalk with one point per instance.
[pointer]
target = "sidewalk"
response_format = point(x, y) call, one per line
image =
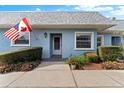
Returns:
point(56, 75)
point(99, 78)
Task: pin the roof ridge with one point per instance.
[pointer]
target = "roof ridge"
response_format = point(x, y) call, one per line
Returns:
point(55, 17)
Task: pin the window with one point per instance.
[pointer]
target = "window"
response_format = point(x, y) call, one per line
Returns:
point(100, 40)
point(23, 40)
point(116, 40)
point(84, 40)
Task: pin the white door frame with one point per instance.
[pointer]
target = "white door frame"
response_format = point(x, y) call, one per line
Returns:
point(56, 52)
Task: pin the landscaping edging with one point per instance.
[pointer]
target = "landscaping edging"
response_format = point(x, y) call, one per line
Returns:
point(21, 66)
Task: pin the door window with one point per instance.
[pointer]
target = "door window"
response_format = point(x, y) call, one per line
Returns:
point(56, 43)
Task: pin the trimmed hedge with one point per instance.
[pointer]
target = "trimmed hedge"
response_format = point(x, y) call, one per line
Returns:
point(22, 55)
point(109, 53)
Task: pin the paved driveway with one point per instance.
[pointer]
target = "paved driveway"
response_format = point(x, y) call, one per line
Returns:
point(59, 75)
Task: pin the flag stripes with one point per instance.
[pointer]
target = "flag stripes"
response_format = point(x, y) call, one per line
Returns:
point(15, 34)
point(9, 31)
point(15, 38)
point(12, 34)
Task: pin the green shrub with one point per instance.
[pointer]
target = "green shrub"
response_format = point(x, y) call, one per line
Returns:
point(78, 61)
point(92, 57)
point(22, 55)
point(81, 61)
point(109, 53)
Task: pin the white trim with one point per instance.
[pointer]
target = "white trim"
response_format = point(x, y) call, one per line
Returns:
point(12, 44)
point(102, 36)
point(92, 41)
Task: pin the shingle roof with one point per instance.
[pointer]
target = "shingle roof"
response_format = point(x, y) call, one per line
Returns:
point(118, 27)
point(54, 18)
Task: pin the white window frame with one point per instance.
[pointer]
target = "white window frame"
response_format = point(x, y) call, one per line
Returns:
point(102, 36)
point(92, 41)
point(12, 44)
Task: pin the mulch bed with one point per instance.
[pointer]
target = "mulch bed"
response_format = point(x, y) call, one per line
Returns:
point(93, 66)
point(101, 66)
point(22, 66)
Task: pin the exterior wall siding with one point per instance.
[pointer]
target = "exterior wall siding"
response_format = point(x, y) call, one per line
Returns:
point(107, 39)
point(68, 41)
point(38, 39)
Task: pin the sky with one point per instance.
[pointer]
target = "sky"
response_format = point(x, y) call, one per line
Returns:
point(107, 10)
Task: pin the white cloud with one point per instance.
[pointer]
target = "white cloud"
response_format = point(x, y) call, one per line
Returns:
point(93, 8)
point(38, 9)
point(58, 10)
point(103, 9)
point(63, 9)
point(108, 11)
point(119, 11)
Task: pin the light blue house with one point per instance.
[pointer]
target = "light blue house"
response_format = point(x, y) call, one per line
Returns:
point(62, 33)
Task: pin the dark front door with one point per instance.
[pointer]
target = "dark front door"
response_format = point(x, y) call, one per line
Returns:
point(57, 45)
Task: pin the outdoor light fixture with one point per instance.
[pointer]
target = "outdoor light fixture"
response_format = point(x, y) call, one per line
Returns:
point(45, 35)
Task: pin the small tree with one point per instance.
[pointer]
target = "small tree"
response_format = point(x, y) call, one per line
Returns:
point(113, 18)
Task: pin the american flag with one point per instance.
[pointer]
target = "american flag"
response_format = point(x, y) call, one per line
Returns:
point(12, 33)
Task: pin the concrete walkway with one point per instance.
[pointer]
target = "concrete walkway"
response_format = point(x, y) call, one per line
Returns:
point(59, 75)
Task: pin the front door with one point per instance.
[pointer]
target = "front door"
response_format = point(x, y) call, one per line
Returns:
point(57, 45)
